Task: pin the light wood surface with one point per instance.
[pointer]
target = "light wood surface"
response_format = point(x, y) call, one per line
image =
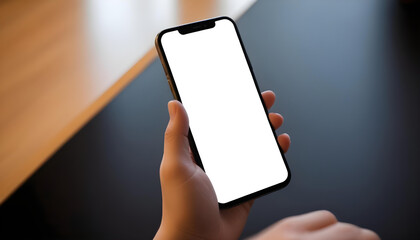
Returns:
point(63, 61)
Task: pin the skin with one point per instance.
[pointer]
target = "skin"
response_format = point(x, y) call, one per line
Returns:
point(189, 205)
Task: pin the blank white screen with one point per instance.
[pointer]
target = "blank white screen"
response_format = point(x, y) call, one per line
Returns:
point(227, 119)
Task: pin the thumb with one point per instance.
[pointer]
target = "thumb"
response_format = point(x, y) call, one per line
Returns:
point(176, 154)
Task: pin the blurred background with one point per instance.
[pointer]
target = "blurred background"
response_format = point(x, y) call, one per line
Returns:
point(83, 111)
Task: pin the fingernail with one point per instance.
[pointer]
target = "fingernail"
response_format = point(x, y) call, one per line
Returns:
point(280, 115)
point(172, 109)
point(289, 137)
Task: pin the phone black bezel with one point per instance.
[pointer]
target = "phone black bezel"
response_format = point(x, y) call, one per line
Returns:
point(198, 26)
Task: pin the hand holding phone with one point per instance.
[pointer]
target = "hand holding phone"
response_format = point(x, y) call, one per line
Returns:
point(190, 208)
point(209, 72)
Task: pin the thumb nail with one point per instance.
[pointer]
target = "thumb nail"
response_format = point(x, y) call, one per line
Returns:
point(172, 109)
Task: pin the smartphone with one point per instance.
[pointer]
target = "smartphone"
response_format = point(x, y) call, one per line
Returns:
point(230, 134)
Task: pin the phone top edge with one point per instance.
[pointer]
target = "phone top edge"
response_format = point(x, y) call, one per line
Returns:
point(161, 51)
point(176, 28)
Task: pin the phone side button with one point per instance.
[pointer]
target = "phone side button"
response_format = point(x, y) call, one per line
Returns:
point(172, 88)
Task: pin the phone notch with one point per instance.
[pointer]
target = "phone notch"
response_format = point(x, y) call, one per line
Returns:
point(197, 26)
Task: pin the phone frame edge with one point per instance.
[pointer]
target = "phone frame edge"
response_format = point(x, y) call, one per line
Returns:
point(193, 146)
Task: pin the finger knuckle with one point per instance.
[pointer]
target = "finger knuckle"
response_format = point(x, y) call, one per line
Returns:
point(169, 134)
point(328, 215)
point(165, 170)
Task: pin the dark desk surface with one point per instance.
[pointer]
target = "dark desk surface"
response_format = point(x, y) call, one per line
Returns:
point(346, 74)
